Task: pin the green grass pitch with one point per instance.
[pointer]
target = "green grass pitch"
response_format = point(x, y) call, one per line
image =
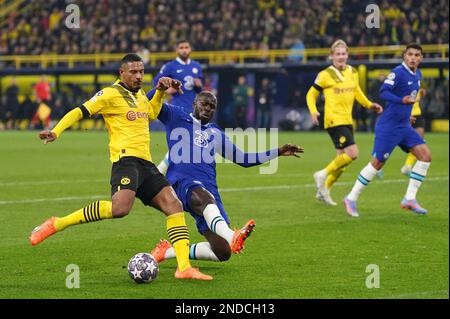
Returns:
point(300, 249)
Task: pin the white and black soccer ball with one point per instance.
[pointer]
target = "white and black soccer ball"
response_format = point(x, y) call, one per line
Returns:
point(143, 268)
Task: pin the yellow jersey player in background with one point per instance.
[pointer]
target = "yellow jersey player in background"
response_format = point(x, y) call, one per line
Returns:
point(127, 113)
point(418, 122)
point(339, 84)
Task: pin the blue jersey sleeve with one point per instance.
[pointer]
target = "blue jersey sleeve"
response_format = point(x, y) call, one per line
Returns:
point(388, 86)
point(165, 115)
point(151, 93)
point(231, 152)
point(164, 71)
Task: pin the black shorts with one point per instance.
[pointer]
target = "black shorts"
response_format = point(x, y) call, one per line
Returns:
point(341, 135)
point(420, 122)
point(137, 175)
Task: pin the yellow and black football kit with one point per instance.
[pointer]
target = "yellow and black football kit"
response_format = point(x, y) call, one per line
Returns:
point(127, 115)
point(340, 89)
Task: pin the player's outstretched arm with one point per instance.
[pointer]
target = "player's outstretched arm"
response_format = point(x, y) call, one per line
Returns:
point(67, 121)
point(311, 98)
point(290, 150)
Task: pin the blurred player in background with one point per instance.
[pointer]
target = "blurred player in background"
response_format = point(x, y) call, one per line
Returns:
point(127, 113)
point(339, 84)
point(189, 73)
point(193, 177)
point(399, 90)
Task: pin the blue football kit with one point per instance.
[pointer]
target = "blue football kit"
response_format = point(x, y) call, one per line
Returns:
point(192, 150)
point(185, 72)
point(393, 127)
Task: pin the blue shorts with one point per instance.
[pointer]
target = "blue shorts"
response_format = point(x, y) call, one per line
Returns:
point(183, 188)
point(385, 142)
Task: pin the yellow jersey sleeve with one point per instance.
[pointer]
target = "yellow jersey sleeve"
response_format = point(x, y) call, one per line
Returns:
point(323, 80)
point(99, 102)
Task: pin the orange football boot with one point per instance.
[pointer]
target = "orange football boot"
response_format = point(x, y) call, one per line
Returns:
point(240, 235)
point(44, 230)
point(192, 273)
point(159, 252)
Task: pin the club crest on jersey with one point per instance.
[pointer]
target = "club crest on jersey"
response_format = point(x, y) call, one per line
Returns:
point(201, 138)
point(391, 76)
point(194, 70)
point(125, 181)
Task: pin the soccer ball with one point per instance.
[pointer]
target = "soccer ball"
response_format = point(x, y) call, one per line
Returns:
point(143, 268)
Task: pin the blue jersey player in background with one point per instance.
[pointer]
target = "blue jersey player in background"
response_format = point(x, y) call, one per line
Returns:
point(189, 73)
point(393, 128)
point(193, 143)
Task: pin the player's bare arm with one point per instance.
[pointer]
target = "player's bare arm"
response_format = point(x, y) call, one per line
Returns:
point(47, 136)
point(377, 108)
point(408, 100)
point(290, 150)
point(169, 85)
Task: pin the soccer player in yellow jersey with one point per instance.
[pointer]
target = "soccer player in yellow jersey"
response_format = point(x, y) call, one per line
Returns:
point(418, 122)
point(127, 113)
point(339, 84)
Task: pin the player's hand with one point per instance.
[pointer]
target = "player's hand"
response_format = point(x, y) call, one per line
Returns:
point(315, 118)
point(377, 108)
point(165, 83)
point(290, 150)
point(47, 136)
point(412, 119)
point(198, 83)
point(408, 100)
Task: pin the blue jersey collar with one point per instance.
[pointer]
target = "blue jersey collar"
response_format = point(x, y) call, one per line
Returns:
point(182, 62)
point(408, 69)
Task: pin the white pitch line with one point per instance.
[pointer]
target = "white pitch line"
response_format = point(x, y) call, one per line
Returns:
point(222, 190)
point(32, 183)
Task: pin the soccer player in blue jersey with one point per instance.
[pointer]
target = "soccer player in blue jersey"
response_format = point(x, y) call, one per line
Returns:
point(193, 143)
point(189, 73)
point(393, 129)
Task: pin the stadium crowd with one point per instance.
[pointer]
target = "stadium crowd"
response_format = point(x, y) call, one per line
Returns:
point(113, 26)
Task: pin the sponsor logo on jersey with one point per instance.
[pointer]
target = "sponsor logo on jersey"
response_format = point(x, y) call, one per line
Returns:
point(201, 138)
point(342, 139)
point(132, 115)
point(386, 155)
point(125, 181)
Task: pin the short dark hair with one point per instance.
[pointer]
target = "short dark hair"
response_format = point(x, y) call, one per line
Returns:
point(130, 57)
point(182, 41)
point(414, 46)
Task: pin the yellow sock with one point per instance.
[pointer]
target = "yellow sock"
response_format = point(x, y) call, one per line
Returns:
point(333, 177)
point(179, 237)
point(91, 213)
point(410, 159)
point(338, 162)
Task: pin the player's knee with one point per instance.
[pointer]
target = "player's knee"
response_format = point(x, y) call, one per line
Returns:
point(119, 212)
point(223, 253)
point(173, 204)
